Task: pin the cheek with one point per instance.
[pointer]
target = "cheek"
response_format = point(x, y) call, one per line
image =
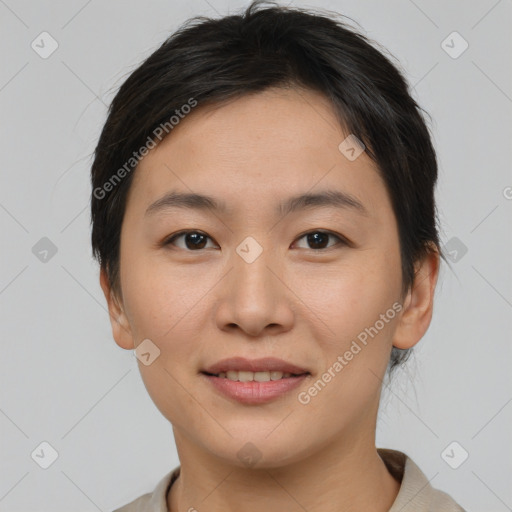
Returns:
point(160, 297)
point(350, 297)
point(353, 323)
point(163, 304)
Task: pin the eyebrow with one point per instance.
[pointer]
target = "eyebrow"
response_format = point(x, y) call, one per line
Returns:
point(325, 198)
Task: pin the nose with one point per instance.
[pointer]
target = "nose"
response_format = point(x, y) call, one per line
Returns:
point(254, 297)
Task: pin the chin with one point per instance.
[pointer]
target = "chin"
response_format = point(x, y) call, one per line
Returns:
point(255, 451)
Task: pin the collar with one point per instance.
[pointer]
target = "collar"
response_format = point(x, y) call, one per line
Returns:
point(416, 494)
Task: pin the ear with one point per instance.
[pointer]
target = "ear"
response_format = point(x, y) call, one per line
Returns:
point(118, 320)
point(419, 303)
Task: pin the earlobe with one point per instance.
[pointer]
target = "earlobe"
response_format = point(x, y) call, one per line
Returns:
point(120, 326)
point(419, 303)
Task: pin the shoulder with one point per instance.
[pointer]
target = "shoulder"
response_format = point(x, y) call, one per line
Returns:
point(155, 501)
point(138, 505)
point(416, 492)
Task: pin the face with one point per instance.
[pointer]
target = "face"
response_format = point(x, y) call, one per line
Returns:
point(302, 284)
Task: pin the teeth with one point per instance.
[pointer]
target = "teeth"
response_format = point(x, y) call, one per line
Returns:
point(243, 376)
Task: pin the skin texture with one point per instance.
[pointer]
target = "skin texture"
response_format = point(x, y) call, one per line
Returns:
point(296, 302)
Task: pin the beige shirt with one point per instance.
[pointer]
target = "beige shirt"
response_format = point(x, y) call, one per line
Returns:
point(415, 495)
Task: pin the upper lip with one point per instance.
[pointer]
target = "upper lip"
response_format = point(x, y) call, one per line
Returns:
point(265, 364)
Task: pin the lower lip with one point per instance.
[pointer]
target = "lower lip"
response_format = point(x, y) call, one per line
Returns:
point(255, 392)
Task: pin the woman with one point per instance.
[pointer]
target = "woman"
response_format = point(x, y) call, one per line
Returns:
point(263, 213)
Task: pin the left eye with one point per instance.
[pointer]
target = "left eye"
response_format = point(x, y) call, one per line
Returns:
point(196, 240)
point(318, 239)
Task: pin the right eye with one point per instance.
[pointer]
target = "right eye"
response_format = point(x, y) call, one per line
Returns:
point(193, 240)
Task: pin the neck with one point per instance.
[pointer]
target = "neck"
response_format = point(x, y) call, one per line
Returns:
point(341, 477)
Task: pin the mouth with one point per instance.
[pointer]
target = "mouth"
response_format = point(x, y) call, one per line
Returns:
point(260, 370)
point(247, 376)
point(256, 381)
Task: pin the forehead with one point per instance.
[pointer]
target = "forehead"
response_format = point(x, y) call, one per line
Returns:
point(276, 143)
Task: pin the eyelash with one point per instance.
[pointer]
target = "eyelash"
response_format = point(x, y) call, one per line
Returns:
point(341, 240)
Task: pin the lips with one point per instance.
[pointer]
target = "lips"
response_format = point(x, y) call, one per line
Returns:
point(267, 364)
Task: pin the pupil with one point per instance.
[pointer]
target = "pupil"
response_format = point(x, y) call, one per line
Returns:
point(195, 238)
point(313, 239)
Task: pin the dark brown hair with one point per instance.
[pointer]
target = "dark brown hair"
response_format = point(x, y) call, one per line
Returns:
point(211, 61)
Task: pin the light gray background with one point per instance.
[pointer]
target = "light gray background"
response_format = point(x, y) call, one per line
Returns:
point(65, 381)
